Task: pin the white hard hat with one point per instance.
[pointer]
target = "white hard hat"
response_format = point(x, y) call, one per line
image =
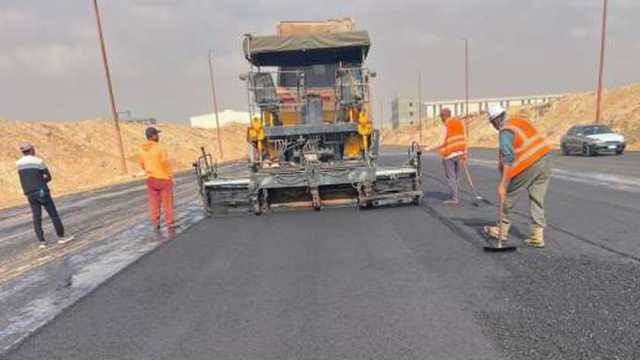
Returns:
point(495, 110)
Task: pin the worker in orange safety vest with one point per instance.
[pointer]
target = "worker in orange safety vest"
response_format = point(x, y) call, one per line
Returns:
point(524, 163)
point(453, 150)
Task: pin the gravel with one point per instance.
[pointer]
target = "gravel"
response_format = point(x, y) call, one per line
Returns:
point(554, 307)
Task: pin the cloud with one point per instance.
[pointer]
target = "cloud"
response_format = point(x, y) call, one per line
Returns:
point(152, 10)
point(597, 4)
point(11, 19)
point(51, 60)
point(428, 39)
point(158, 49)
point(579, 32)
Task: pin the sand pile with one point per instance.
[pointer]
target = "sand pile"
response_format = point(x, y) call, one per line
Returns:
point(83, 155)
point(621, 111)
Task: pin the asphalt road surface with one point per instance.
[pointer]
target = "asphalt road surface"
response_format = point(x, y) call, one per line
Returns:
point(392, 283)
point(92, 217)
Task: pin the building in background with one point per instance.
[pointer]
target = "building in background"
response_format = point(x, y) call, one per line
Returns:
point(432, 109)
point(127, 117)
point(226, 117)
point(404, 111)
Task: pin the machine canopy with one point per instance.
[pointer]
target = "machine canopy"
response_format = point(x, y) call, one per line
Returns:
point(308, 49)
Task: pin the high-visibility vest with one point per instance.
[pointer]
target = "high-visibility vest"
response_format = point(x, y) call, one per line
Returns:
point(529, 145)
point(455, 140)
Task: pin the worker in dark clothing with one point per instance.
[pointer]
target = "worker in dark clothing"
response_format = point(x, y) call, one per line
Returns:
point(34, 176)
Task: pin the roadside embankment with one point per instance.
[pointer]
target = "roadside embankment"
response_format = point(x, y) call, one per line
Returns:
point(84, 155)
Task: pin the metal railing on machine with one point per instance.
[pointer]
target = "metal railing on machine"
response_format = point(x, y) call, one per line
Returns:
point(266, 99)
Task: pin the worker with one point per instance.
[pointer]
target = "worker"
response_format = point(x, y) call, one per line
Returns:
point(453, 149)
point(154, 160)
point(34, 177)
point(524, 163)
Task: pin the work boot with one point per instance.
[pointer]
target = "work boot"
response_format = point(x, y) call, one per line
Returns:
point(494, 231)
point(66, 239)
point(537, 237)
point(451, 202)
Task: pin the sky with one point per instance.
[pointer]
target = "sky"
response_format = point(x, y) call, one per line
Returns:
point(51, 69)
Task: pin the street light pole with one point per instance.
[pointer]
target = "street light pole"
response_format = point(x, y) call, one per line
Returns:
point(420, 107)
point(466, 77)
point(603, 41)
point(466, 86)
point(215, 104)
point(114, 111)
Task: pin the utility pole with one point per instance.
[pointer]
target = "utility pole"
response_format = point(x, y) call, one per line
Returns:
point(215, 104)
point(603, 41)
point(420, 107)
point(466, 86)
point(114, 111)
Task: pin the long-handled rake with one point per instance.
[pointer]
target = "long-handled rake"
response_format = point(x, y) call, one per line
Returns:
point(499, 245)
point(477, 198)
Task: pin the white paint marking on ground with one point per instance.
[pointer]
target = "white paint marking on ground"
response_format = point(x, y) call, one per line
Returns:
point(616, 182)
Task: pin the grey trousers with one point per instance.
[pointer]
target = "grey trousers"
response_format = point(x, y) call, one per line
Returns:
point(534, 181)
point(452, 173)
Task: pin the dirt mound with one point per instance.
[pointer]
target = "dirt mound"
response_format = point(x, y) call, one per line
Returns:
point(621, 111)
point(83, 155)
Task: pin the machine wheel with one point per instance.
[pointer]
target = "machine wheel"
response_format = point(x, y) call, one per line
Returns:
point(564, 150)
point(261, 202)
point(315, 198)
point(365, 205)
point(257, 209)
point(619, 152)
point(417, 201)
point(258, 206)
point(587, 151)
point(206, 204)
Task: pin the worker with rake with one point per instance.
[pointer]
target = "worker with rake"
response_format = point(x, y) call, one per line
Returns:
point(453, 149)
point(524, 163)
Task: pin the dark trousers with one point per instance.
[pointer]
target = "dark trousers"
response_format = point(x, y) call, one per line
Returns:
point(37, 202)
point(452, 173)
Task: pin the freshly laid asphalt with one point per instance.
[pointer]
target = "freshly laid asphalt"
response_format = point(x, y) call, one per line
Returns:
point(392, 283)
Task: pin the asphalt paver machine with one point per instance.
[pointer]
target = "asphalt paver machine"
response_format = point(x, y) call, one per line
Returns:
point(311, 139)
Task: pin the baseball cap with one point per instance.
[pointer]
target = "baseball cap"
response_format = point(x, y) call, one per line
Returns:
point(151, 131)
point(24, 147)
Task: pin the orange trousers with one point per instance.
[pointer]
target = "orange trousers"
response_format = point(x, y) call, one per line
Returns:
point(160, 192)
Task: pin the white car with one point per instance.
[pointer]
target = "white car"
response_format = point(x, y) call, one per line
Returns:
point(590, 140)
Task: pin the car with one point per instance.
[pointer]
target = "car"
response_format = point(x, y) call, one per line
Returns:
point(590, 140)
